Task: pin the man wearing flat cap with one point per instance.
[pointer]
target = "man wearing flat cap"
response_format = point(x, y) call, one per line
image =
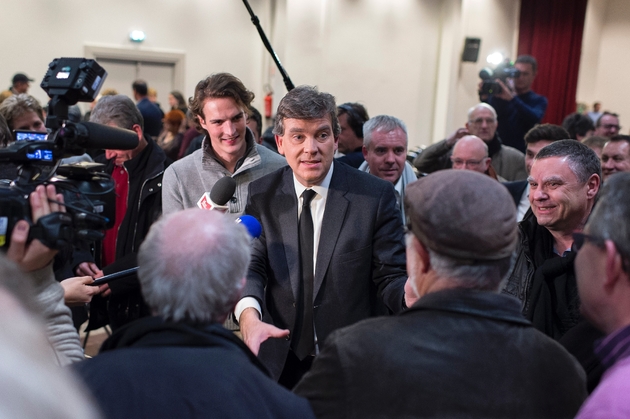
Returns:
point(463, 349)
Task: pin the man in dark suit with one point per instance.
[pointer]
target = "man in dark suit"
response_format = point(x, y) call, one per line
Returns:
point(151, 114)
point(462, 350)
point(322, 265)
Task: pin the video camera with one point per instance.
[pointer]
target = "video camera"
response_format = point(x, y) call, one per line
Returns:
point(88, 192)
point(503, 72)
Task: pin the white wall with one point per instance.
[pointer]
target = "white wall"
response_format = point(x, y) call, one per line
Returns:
point(215, 35)
point(400, 57)
point(496, 23)
point(606, 58)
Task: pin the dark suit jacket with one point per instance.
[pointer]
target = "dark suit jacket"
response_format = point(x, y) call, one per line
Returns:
point(360, 259)
point(152, 116)
point(516, 189)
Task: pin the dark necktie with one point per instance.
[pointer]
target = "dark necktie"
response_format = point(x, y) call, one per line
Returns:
point(305, 344)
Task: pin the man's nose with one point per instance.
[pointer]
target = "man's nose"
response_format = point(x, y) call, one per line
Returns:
point(310, 145)
point(539, 194)
point(230, 128)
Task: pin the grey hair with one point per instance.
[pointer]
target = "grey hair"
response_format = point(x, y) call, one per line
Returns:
point(306, 102)
point(117, 109)
point(383, 123)
point(482, 275)
point(192, 264)
point(582, 160)
point(480, 106)
point(609, 219)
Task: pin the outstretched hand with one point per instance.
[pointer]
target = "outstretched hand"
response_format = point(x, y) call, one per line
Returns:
point(255, 331)
point(34, 255)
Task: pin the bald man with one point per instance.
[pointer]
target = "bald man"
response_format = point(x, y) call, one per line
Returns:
point(471, 153)
point(482, 122)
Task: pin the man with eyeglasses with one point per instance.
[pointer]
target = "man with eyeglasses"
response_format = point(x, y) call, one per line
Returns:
point(603, 278)
point(482, 122)
point(471, 153)
point(518, 107)
point(607, 125)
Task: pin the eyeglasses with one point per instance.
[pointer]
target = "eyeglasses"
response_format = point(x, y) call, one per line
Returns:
point(580, 238)
point(480, 121)
point(611, 126)
point(463, 163)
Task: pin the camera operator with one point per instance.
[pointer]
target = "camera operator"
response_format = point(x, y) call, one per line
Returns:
point(518, 107)
point(35, 258)
point(138, 176)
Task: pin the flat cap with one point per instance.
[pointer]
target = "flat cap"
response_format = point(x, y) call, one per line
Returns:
point(462, 214)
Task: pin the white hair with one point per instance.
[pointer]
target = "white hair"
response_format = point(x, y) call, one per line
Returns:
point(192, 265)
point(480, 106)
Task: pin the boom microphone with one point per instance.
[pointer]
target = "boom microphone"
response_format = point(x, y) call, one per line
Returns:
point(93, 135)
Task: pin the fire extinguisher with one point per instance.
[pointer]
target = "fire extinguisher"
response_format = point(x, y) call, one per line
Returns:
point(268, 103)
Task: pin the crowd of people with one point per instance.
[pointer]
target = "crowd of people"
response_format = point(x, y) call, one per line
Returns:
point(488, 276)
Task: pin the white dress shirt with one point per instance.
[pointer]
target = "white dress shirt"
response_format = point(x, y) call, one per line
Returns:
point(318, 205)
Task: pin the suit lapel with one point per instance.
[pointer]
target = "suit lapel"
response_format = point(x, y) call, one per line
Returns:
point(286, 204)
point(334, 215)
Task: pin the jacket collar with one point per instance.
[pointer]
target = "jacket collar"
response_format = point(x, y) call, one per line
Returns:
point(494, 146)
point(155, 332)
point(485, 304)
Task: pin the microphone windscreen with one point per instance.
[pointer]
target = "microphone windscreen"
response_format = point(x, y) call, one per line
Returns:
point(109, 138)
point(223, 190)
point(251, 224)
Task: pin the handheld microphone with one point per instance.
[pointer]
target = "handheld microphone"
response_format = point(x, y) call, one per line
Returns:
point(251, 224)
point(221, 193)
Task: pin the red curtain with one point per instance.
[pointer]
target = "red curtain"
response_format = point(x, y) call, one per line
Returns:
point(551, 31)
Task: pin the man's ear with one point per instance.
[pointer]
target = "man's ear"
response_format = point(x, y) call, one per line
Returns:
point(593, 183)
point(614, 266)
point(364, 149)
point(423, 254)
point(488, 163)
point(279, 144)
point(138, 130)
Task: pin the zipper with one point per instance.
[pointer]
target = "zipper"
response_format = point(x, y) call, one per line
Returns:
point(135, 226)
